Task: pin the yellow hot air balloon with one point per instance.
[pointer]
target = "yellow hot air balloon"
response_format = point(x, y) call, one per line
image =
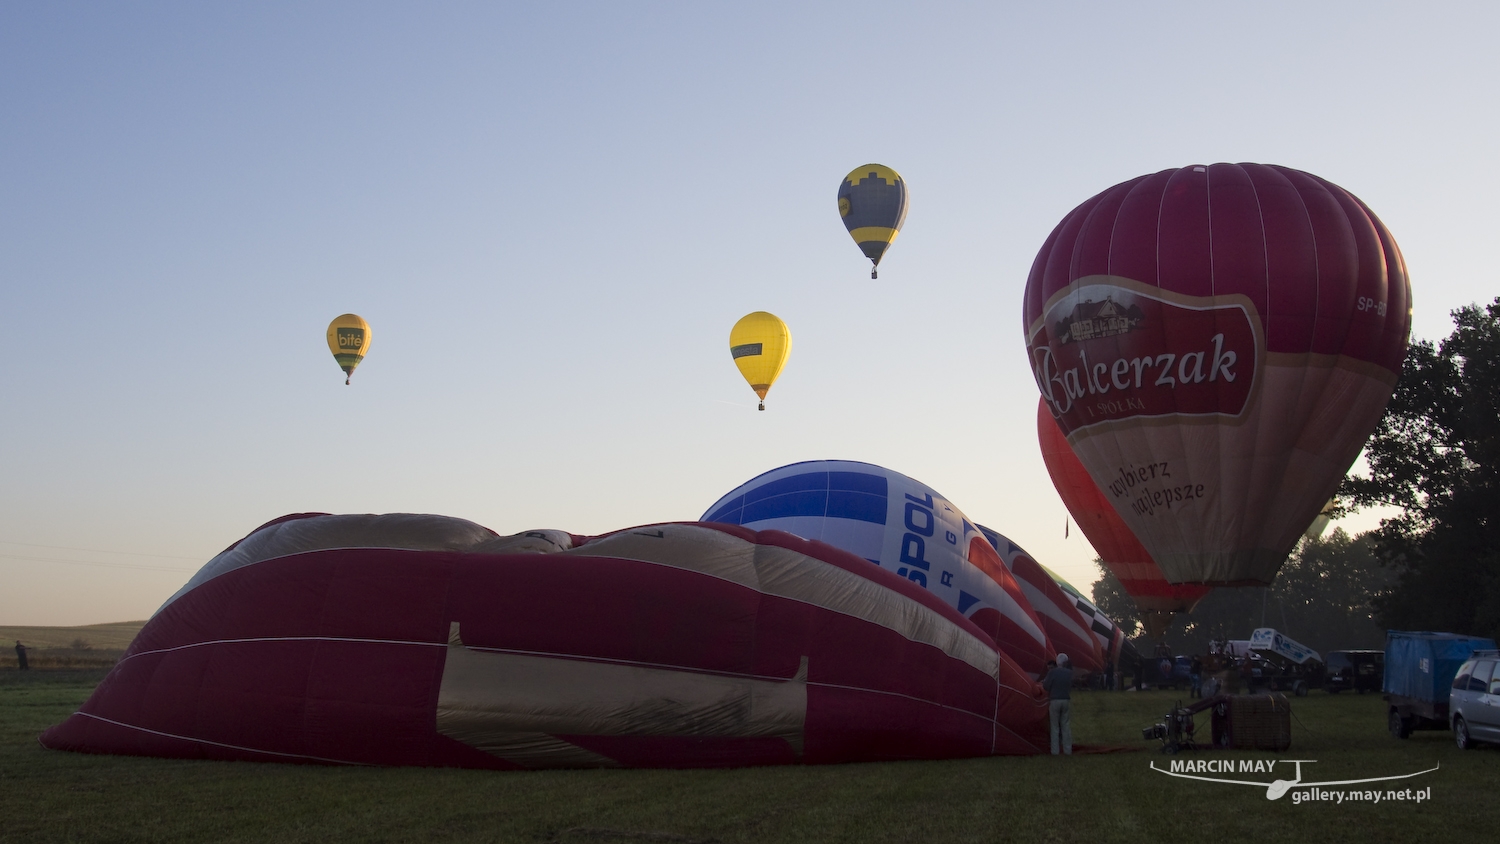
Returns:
point(349, 340)
point(760, 343)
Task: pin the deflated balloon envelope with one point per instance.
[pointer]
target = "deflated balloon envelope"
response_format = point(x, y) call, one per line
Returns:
point(1216, 343)
point(424, 640)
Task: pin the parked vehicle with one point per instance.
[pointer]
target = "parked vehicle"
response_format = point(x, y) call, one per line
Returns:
point(1360, 671)
point(1474, 700)
point(1162, 672)
point(1287, 665)
point(1419, 671)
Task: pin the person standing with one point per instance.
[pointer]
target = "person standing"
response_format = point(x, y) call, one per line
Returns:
point(1059, 686)
point(21, 656)
point(1195, 674)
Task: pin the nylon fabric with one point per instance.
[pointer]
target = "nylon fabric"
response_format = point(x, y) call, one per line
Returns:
point(410, 531)
point(568, 658)
point(1216, 342)
point(902, 526)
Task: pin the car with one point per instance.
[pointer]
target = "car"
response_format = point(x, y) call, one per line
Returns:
point(1474, 700)
point(1160, 672)
point(1361, 671)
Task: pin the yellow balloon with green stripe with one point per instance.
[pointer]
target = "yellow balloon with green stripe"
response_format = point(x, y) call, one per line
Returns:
point(872, 203)
point(349, 340)
point(760, 343)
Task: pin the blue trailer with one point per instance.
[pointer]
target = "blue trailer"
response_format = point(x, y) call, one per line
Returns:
point(1419, 669)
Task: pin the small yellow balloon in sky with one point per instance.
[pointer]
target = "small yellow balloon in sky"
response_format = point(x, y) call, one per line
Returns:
point(760, 343)
point(349, 340)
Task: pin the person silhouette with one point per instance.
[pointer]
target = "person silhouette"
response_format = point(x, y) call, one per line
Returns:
point(21, 656)
point(1058, 684)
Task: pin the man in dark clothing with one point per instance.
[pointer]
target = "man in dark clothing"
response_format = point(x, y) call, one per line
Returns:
point(1059, 686)
point(21, 656)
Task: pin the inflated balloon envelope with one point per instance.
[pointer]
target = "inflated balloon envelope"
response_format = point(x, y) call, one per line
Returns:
point(903, 525)
point(872, 203)
point(425, 640)
point(1117, 547)
point(1074, 625)
point(900, 525)
point(1217, 342)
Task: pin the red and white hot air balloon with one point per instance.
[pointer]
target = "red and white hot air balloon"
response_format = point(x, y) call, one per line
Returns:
point(1068, 630)
point(1216, 343)
point(1121, 552)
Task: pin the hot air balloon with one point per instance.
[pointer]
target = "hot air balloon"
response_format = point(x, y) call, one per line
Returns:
point(409, 639)
point(760, 343)
point(1121, 552)
point(903, 526)
point(1217, 343)
point(1066, 628)
point(349, 340)
point(1325, 517)
point(872, 202)
point(1106, 632)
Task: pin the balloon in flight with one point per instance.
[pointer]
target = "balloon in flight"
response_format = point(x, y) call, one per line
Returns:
point(1216, 343)
point(1120, 551)
point(872, 203)
point(349, 340)
point(760, 343)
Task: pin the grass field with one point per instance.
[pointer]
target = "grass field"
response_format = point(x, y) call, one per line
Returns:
point(55, 796)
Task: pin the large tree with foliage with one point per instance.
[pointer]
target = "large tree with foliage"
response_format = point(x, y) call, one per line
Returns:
point(1436, 455)
point(1323, 598)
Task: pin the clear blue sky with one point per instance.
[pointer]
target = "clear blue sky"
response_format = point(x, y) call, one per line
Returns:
point(552, 214)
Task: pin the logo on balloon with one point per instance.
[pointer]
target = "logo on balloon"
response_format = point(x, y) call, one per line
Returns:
point(1092, 320)
point(1113, 349)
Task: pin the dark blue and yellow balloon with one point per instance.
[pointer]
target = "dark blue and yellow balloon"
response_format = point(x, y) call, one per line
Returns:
point(872, 201)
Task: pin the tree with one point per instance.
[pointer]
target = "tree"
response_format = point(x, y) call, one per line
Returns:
point(1435, 455)
point(1323, 597)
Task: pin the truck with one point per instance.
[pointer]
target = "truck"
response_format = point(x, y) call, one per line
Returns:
point(1419, 669)
point(1287, 664)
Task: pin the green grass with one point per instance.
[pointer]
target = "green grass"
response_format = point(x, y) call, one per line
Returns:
point(54, 796)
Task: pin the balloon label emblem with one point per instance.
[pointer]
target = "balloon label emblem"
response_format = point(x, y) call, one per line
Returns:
point(351, 339)
point(1110, 349)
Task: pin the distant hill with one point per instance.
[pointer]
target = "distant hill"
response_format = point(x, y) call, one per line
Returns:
point(88, 646)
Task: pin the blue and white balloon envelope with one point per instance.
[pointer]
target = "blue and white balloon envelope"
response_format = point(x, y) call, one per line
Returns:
point(900, 524)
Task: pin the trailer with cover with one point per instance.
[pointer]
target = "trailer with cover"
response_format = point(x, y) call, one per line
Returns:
point(1419, 671)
